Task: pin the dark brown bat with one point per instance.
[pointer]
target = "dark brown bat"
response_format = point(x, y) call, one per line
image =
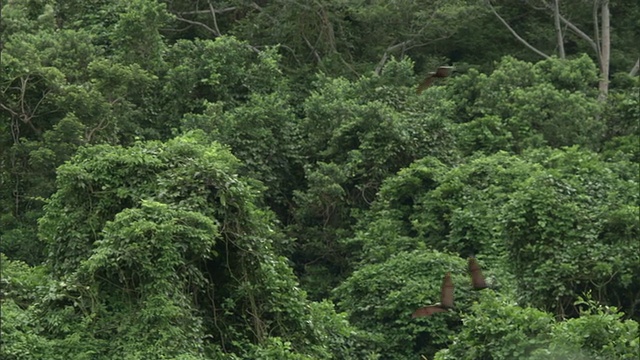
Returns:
point(446, 300)
point(442, 72)
point(477, 280)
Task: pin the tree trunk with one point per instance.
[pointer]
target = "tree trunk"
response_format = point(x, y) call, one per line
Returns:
point(556, 18)
point(605, 48)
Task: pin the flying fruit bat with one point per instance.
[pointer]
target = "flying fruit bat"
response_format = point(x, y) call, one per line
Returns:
point(446, 293)
point(441, 72)
point(446, 300)
point(477, 280)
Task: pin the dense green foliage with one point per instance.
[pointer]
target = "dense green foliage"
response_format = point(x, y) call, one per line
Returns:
point(497, 329)
point(260, 180)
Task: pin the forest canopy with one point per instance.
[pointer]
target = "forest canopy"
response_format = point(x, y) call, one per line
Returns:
point(282, 179)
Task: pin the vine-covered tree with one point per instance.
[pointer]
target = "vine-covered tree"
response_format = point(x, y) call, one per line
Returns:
point(160, 250)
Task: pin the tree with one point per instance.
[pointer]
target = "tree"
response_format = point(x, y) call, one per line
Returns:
point(72, 78)
point(59, 91)
point(522, 105)
point(35, 134)
point(263, 134)
point(623, 131)
point(571, 229)
point(167, 240)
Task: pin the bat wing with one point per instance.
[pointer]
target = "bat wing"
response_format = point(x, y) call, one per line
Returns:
point(446, 292)
point(443, 71)
point(425, 84)
point(477, 280)
point(427, 311)
point(446, 300)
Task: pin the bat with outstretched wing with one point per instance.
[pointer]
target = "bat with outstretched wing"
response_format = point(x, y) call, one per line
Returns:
point(477, 280)
point(441, 72)
point(446, 300)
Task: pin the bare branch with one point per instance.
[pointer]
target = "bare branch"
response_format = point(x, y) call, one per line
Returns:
point(23, 91)
point(386, 55)
point(13, 113)
point(256, 6)
point(431, 41)
point(556, 21)
point(523, 41)
point(380, 65)
point(349, 66)
point(260, 9)
point(315, 52)
point(194, 12)
point(580, 33)
point(35, 108)
point(104, 122)
point(253, 48)
point(213, 15)
point(596, 31)
point(214, 32)
point(218, 11)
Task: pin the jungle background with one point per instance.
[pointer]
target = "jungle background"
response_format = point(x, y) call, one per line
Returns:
point(260, 180)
